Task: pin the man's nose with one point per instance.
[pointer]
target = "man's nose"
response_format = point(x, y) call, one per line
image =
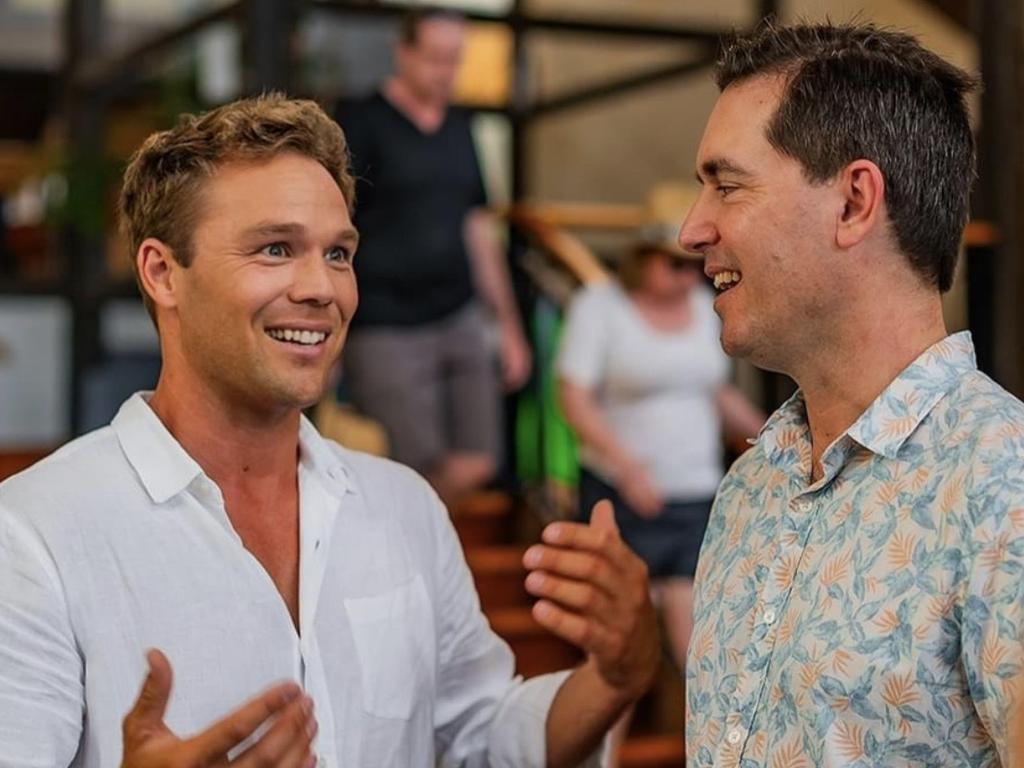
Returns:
point(312, 280)
point(698, 232)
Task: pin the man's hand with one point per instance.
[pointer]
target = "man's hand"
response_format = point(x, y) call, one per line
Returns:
point(516, 359)
point(286, 743)
point(595, 594)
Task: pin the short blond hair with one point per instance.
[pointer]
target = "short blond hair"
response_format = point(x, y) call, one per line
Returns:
point(164, 178)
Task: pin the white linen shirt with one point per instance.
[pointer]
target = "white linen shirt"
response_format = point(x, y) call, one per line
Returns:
point(119, 542)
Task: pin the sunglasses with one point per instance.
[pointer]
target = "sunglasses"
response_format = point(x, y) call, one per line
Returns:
point(679, 264)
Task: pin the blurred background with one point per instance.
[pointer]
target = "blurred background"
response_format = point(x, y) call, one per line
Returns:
point(584, 111)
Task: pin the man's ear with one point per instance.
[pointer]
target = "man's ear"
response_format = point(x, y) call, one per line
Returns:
point(158, 270)
point(863, 190)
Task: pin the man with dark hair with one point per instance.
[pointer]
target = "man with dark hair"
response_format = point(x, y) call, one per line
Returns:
point(312, 601)
point(418, 360)
point(859, 598)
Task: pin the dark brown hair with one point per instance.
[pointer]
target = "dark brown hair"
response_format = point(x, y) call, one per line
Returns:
point(859, 92)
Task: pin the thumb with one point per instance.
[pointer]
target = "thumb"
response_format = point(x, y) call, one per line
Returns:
point(602, 517)
point(151, 705)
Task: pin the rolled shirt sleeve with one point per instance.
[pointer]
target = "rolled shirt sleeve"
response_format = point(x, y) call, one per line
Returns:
point(485, 717)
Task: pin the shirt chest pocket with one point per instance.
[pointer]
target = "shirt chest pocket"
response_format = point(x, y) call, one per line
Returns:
point(395, 642)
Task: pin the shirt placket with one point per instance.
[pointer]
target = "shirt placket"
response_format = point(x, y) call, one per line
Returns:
point(318, 509)
point(752, 685)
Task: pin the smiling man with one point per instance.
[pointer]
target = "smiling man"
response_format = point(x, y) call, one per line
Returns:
point(313, 602)
point(859, 598)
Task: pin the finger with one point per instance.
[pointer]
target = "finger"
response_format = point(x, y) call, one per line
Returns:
point(587, 634)
point(224, 735)
point(603, 538)
point(602, 517)
point(580, 566)
point(576, 595)
point(287, 743)
point(151, 705)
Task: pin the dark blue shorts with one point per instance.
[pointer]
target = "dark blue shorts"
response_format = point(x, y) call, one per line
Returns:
point(668, 543)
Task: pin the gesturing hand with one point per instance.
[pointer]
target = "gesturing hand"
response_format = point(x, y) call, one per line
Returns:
point(595, 594)
point(149, 743)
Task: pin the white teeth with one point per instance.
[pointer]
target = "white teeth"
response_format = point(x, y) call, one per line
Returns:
point(725, 279)
point(299, 337)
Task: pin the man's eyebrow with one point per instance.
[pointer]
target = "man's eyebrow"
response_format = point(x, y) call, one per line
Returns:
point(285, 228)
point(717, 166)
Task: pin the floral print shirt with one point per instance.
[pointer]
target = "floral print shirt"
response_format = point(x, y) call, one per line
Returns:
point(873, 617)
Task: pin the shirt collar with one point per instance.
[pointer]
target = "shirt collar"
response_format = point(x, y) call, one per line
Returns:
point(896, 413)
point(317, 455)
point(163, 466)
point(165, 469)
point(890, 419)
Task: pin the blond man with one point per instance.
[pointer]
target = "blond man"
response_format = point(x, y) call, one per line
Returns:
point(313, 602)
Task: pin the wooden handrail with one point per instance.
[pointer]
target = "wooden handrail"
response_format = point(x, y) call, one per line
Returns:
point(565, 247)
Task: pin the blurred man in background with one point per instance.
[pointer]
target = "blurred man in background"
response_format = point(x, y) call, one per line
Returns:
point(418, 359)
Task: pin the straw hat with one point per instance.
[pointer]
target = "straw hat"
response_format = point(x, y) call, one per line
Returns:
point(666, 206)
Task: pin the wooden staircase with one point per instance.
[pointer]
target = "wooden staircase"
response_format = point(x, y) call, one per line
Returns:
point(492, 533)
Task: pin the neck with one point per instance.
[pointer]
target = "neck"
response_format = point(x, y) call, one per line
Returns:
point(848, 371)
point(235, 447)
point(425, 112)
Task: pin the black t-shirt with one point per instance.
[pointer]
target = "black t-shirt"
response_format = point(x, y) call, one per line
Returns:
point(413, 191)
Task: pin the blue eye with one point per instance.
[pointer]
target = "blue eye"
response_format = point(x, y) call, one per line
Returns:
point(278, 250)
point(338, 254)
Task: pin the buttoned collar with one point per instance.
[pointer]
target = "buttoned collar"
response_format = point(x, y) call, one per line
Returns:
point(891, 418)
point(165, 469)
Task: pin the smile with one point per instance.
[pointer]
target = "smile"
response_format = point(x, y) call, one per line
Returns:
point(726, 280)
point(296, 336)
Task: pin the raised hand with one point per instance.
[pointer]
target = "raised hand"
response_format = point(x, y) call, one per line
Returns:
point(594, 593)
point(286, 743)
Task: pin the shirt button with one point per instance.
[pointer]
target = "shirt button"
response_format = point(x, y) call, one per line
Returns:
point(769, 616)
point(802, 505)
point(734, 736)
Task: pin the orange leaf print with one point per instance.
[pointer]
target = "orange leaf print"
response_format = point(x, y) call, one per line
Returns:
point(788, 627)
point(898, 691)
point(747, 566)
point(898, 427)
point(920, 478)
point(849, 740)
point(784, 572)
point(900, 550)
point(705, 642)
point(952, 495)
point(790, 755)
point(810, 673)
point(836, 569)
point(840, 659)
point(1017, 518)
point(887, 621)
point(941, 605)
point(888, 492)
point(992, 655)
point(995, 550)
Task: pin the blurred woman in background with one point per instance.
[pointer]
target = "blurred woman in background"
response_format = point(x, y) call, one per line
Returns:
point(643, 382)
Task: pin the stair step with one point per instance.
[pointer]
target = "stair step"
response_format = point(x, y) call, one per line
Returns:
point(498, 573)
point(657, 751)
point(485, 519)
point(537, 651)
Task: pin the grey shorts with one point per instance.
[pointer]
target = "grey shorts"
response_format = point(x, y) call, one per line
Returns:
point(435, 388)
